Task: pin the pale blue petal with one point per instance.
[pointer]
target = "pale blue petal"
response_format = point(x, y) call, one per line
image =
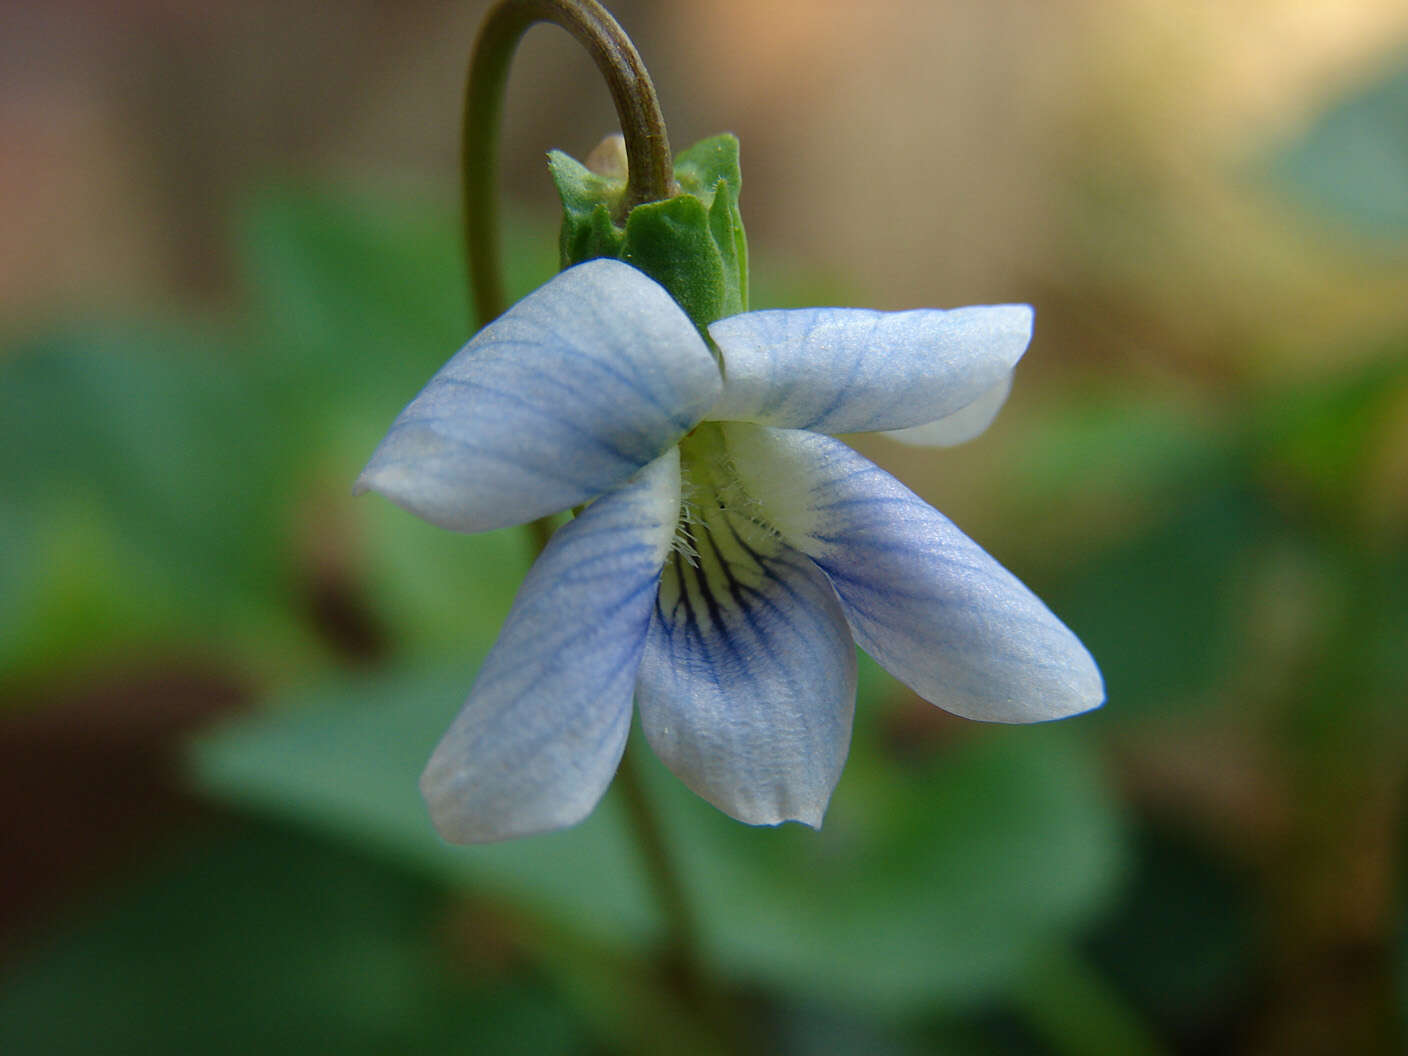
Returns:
point(922, 598)
point(747, 686)
point(543, 730)
point(960, 426)
point(559, 400)
point(847, 370)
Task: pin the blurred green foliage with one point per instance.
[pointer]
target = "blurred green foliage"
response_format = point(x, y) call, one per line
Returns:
point(909, 863)
point(1351, 166)
point(181, 488)
point(130, 520)
point(258, 939)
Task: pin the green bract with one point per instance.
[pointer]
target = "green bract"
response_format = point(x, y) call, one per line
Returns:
point(692, 244)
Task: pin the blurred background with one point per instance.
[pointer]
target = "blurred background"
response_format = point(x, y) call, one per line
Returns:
point(230, 256)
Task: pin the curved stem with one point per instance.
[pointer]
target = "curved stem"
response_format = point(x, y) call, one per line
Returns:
point(681, 960)
point(651, 175)
point(650, 178)
point(682, 942)
point(665, 878)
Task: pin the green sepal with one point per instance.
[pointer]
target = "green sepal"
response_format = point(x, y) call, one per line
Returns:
point(589, 201)
point(726, 225)
point(672, 242)
point(699, 168)
point(692, 244)
point(592, 237)
point(710, 170)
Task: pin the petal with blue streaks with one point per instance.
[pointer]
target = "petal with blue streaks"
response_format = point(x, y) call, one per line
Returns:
point(541, 735)
point(559, 400)
point(848, 370)
point(960, 426)
point(747, 686)
point(922, 598)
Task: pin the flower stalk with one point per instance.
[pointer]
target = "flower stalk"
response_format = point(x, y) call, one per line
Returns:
point(651, 170)
point(650, 177)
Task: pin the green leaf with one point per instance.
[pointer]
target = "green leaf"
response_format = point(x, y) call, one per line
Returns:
point(1352, 164)
point(357, 301)
point(351, 298)
point(148, 458)
point(1129, 446)
point(163, 469)
point(924, 886)
point(1325, 436)
point(266, 941)
point(344, 757)
point(19, 575)
point(440, 593)
point(1159, 612)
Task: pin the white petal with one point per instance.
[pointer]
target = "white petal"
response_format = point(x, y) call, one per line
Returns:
point(846, 370)
point(922, 598)
point(960, 426)
point(543, 730)
point(747, 686)
point(559, 400)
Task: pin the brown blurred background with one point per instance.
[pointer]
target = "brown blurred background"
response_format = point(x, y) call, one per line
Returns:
point(958, 151)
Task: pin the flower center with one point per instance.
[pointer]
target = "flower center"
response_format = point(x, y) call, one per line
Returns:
point(724, 542)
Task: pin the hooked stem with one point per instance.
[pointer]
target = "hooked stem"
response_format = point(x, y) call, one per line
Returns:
point(651, 170)
point(650, 177)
